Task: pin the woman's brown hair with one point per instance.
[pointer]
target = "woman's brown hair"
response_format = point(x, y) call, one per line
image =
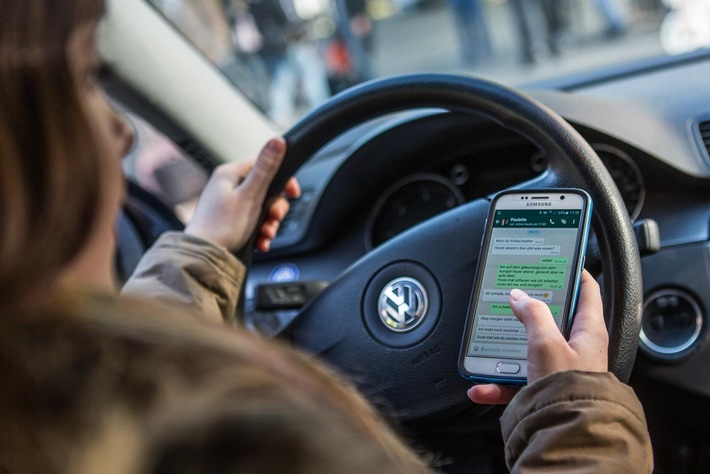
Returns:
point(49, 168)
point(128, 384)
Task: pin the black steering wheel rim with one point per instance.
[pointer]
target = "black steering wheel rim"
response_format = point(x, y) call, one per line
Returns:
point(573, 163)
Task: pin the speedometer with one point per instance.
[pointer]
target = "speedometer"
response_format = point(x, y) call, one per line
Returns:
point(409, 202)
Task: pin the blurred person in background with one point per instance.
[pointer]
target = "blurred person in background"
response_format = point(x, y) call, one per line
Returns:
point(355, 28)
point(557, 24)
point(296, 68)
point(472, 28)
point(615, 20)
point(553, 22)
point(249, 69)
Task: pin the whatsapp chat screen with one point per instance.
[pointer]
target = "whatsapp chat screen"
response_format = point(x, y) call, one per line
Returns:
point(532, 250)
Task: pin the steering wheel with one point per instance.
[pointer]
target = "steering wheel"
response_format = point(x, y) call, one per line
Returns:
point(415, 371)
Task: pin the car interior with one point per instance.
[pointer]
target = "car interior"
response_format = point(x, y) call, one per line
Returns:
point(397, 177)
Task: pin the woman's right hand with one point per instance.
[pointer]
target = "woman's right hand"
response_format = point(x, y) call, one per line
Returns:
point(548, 351)
point(230, 205)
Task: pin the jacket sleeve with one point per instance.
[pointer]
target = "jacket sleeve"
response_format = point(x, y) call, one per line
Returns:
point(576, 422)
point(184, 269)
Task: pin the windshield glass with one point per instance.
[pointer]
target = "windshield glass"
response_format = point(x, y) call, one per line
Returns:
point(290, 55)
point(159, 166)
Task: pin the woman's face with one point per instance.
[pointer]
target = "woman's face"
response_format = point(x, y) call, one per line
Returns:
point(114, 137)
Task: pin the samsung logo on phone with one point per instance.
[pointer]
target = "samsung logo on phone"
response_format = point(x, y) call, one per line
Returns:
point(538, 204)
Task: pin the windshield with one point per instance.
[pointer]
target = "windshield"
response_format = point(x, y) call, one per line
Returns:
point(159, 166)
point(290, 55)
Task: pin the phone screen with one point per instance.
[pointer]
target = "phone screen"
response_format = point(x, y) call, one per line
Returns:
point(537, 250)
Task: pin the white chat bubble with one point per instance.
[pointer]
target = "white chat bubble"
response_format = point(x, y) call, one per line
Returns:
point(501, 330)
point(498, 321)
point(516, 249)
point(519, 240)
point(503, 296)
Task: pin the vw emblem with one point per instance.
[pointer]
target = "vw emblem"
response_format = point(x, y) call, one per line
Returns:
point(403, 304)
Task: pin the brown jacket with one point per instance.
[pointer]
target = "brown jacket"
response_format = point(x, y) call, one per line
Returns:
point(187, 270)
point(571, 422)
point(577, 422)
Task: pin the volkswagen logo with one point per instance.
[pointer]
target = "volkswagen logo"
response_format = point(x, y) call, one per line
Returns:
point(403, 304)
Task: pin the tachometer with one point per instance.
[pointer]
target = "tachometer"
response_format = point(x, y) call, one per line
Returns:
point(626, 174)
point(409, 202)
point(623, 170)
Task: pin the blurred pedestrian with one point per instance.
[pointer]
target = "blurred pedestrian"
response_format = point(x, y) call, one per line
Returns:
point(339, 62)
point(555, 24)
point(524, 34)
point(271, 23)
point(305, 73)
point(291, 57)
point(474, 40)
point(354, 27)
point(248, 69)
point(616, 22)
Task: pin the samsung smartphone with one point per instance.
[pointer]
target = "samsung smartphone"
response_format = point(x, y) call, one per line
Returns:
point(534, 241)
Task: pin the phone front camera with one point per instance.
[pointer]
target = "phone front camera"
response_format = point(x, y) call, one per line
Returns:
point(562, 198)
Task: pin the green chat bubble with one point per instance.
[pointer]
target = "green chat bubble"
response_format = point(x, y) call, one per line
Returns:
point(501, 309)
point(554, 260)
point(531, 276)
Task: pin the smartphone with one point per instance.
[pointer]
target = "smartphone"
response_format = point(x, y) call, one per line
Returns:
point(534, 241)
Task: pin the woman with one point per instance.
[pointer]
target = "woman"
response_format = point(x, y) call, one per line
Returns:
point(94, 382)
point(48, 76)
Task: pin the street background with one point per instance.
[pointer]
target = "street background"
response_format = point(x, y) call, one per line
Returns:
point(425, 39)
point(289, 56)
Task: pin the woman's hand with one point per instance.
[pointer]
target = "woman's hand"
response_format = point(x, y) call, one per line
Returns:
point(548, 351)
point(230, 204)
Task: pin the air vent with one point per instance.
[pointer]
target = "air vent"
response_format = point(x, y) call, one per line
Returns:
point(704, 132)
point(671, 324)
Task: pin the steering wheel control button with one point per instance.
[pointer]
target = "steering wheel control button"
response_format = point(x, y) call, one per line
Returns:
point(671, 324)
point(403, 304)
point(507, 368)
point(289, 295)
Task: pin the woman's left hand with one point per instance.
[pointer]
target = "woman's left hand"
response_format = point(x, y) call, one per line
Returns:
point(230, 204)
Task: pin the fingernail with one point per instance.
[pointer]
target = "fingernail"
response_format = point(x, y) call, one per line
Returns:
point(517, 295)
point(275, 146)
